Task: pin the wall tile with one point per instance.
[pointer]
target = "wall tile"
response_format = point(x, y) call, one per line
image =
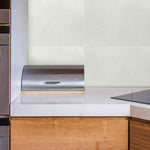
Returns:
point(117, 22)
point(56, 25)
point(113, 66)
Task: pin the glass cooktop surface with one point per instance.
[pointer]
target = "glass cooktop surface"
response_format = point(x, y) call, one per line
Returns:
point(139, 97)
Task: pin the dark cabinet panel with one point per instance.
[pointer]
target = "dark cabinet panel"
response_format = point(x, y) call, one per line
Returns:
point(4, 4)
point(4, 133)
point(4, 80)
point(4, 29)
point(4, 35)
point(139, 135)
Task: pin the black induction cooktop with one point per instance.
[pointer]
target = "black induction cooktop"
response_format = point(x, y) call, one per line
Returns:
point(139, 97)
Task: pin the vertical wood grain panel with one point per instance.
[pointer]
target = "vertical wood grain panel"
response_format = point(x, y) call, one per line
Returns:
point(69, 133)
point(139, 135)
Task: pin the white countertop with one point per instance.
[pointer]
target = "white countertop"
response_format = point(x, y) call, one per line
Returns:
point(95, 102)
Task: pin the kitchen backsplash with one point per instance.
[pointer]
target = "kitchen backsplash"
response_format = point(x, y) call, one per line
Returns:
point(111, 38)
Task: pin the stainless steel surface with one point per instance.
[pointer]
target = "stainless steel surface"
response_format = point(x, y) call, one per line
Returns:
point(51, 78)
point(4, 131)
point(4, 143)
point(4, 80)
point(4, 15)
point(4, 39)
point(4, 74)
point(4, 66)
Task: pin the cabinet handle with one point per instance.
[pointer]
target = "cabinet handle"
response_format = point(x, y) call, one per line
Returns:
point(52, 82)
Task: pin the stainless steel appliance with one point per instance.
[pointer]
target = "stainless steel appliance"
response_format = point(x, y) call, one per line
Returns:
point(4, 70)
point(4, 16)
point(4, 74)
point(53, 77)
point(4, 35)
point(139, 97)
point(4, 133)
point(4, 11)
point(4, 77)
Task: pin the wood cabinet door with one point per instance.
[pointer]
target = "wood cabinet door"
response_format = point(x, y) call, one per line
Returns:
point(69, 133)
point(139, 135)
point(4, 80)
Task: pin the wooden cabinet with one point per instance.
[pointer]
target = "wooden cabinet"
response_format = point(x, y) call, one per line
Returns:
point(69, 133)
point(139, 135)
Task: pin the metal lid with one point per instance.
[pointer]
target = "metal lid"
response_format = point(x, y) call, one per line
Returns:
point(53, 78)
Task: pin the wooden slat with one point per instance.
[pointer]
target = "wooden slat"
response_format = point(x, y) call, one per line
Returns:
point(141, 120)
point(72, 133)
point(5, 24)
point(139, 135)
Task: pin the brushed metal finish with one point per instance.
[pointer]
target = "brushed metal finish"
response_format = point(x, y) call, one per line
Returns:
point(4, 39)
point(4, 15)
point(4, 80)
point(4, 131)
point(53, 78)
point(4, 143)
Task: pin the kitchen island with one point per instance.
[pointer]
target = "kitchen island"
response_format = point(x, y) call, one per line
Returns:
point(81, 121)
point(94, 102)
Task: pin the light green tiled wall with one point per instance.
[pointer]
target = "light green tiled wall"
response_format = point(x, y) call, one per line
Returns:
point(110, 37)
